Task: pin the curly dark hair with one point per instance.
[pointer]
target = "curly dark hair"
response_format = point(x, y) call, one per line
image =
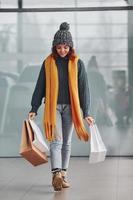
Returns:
point(71, 53)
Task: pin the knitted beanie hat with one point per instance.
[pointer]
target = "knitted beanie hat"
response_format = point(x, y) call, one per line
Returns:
point(63, 35)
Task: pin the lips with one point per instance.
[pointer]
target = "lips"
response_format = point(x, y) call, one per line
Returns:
point(62, 54)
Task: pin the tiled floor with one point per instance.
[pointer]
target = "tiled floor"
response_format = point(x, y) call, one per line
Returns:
point(109, 180)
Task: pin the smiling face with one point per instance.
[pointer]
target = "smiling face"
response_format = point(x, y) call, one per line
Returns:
point(62, 49)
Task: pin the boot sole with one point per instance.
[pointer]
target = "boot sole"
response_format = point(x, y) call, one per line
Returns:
point(65, 186)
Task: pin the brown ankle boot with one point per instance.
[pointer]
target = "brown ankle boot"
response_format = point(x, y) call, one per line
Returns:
point(57, 181)
point(65, 183)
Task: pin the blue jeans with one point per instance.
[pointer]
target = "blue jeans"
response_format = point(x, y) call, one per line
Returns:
point(60, 148)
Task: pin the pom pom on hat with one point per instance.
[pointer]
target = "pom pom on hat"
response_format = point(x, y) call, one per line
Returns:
point(63, 35)
point(64, 26)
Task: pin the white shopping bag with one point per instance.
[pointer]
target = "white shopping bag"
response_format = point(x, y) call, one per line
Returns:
point(38, 137)
point(97, 148)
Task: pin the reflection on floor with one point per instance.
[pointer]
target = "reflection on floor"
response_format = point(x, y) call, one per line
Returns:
point(109, 180)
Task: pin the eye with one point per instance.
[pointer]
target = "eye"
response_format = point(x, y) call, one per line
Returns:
point(58, 47)
point(66, 47)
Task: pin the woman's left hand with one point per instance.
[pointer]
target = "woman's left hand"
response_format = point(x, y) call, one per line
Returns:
point(90, 120)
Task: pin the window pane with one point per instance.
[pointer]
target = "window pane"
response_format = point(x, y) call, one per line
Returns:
point(9, 3)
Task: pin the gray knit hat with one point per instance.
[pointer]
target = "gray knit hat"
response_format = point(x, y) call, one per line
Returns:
point(63, 35)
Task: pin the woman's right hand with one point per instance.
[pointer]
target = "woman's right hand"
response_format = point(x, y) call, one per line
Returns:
point(31, 115)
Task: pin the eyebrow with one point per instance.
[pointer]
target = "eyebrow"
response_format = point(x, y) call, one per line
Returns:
point(64, 45)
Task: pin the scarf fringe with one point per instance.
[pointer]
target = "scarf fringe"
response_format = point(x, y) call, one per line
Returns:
point(82, 134)
point(49, 132)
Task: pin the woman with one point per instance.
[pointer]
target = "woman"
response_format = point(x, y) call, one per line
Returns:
point(63, 83)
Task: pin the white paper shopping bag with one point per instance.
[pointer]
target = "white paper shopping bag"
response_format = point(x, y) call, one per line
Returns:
point(97, 148)
point(38, 137)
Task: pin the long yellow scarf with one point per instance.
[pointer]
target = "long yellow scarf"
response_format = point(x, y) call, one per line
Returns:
point(49, 118)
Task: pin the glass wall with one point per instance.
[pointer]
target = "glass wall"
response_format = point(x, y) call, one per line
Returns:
point(101, 41)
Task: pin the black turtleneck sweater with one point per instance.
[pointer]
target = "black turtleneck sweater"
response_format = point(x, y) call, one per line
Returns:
point(63, 94)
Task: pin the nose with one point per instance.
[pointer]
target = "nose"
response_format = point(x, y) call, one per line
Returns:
point(62, 51)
